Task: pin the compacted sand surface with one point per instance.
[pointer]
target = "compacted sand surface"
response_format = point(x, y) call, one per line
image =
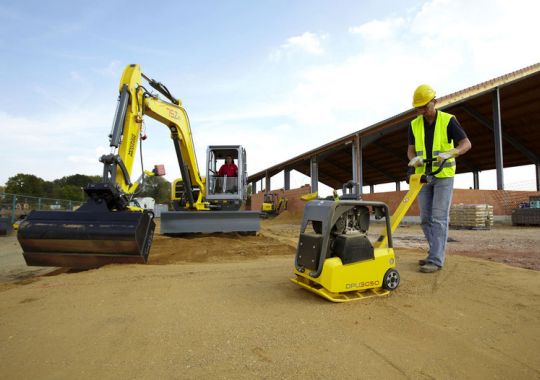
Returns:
point(222, 306)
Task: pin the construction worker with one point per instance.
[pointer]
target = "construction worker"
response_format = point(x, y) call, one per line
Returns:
point(436, 134)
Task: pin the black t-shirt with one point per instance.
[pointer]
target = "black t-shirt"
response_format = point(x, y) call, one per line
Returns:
point(454, 132)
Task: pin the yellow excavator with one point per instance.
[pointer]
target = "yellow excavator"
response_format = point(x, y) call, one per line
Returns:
point(273, 204)
point(106, 229)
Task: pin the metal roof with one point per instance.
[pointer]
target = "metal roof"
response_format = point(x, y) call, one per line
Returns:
point(384, 144)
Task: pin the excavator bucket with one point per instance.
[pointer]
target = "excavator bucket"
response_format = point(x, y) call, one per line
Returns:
point(83, 240)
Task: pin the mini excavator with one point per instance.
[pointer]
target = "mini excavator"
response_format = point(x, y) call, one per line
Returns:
point(274, 203)
point(336, 260)
point(106, 229)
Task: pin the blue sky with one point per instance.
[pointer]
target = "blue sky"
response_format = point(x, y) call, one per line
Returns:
point(279, 77)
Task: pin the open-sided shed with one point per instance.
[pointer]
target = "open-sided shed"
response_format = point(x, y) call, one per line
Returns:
point(501, 118)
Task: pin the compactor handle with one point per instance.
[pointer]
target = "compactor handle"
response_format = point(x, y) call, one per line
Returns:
point(428, 162)
point(430, 174)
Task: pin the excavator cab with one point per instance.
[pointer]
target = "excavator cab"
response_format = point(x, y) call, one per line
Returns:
point(226, 190)
point(224, 194)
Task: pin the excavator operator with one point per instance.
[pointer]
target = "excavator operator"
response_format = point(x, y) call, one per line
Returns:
point(229, 168)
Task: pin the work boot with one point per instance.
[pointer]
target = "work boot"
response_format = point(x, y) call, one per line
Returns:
point(422, 262)
point(429, 268)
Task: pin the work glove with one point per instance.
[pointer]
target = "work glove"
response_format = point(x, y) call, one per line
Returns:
point(452, 153)
point(416, 162)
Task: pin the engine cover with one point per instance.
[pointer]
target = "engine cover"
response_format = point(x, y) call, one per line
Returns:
point(351, 248)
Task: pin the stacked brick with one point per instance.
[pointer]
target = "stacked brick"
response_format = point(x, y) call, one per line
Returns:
point(477, 217)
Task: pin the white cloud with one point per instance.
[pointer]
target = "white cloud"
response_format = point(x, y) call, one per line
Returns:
point(439, 44)
point(378, 30)
point(310, 43)
point(52, 146)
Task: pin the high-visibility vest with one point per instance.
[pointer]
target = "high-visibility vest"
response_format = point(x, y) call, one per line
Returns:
point(440, 143)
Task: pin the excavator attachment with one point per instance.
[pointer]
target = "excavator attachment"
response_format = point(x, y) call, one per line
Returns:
point(187, 222)
point(85, 239)
point(94, 235)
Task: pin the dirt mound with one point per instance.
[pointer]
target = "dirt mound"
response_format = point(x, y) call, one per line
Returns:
point(215, 247)
point(287, 217)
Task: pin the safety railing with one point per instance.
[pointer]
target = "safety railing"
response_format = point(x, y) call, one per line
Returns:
point(14, 206)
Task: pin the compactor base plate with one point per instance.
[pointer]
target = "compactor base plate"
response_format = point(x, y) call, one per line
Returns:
point(339, 297)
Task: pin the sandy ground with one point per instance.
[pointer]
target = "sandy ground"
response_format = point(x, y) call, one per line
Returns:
point(222, 306)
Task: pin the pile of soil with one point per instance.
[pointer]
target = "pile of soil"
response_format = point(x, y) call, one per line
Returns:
point(214, 248)
point(287, 217)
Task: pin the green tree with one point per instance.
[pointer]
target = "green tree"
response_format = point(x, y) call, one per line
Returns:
point(27, 184)
point(71, 187)
point(79, 180)
point(48, 189)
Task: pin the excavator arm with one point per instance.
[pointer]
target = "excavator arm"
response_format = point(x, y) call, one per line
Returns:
point(135, 103)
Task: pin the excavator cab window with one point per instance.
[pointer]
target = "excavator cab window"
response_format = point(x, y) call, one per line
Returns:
point(222, 173)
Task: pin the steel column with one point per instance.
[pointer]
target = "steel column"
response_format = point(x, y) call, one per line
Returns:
point(538, 177)
point(398, 186)
point(497, 134)
point(357, 174)
point(13, 208)
point(267, 182)
point(254, 187)
point(314, 174)
point(287, 179)
point(476, 180)
point(371, 189)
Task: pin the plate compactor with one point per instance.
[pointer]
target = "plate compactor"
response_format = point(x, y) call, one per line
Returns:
point(335, 258)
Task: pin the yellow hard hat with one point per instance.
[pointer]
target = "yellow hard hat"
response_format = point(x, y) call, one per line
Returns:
point(423, 95)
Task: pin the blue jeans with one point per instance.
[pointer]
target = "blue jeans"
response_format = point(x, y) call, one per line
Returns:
point(434, 201)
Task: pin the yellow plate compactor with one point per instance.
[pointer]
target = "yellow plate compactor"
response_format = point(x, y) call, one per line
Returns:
point(335, 258)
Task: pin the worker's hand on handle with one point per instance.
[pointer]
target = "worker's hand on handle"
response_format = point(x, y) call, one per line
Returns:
point(452, 153)
point(416, 162)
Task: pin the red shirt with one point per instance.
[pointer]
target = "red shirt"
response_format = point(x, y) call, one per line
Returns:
point(230, 170)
